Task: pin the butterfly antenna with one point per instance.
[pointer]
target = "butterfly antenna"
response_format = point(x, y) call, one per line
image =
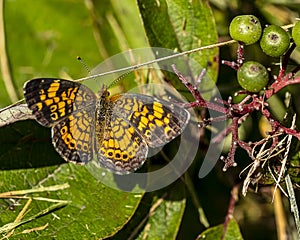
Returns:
point(86, 67)
point(89, 72)
point(119, 79)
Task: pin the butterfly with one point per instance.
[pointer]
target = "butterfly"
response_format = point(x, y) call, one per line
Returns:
point(118, 130)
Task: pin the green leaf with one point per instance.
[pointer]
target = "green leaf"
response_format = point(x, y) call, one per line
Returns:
point(165, 215)
point(232, 232)
point(95, 210)
point(181, 26)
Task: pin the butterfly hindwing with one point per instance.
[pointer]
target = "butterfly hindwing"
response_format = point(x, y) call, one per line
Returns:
point(121, 149)
point(73, 137)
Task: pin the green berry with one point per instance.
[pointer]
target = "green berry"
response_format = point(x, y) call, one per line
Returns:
point(296, 33)
point(245, 28)
point(274, 41)
point(252, 76)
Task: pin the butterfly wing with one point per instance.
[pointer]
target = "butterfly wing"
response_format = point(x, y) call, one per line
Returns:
point(158, 121)
point(121, 149)
point(132, 122)
point(73, 137)
point(51, 100)
point(69, 107)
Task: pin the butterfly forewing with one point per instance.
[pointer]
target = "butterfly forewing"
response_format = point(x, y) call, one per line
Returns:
point(54, 99)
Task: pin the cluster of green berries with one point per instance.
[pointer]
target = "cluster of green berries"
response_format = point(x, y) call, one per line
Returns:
point(274, 41)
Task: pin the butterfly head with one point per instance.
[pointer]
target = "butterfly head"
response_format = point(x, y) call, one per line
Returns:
point(103, 93)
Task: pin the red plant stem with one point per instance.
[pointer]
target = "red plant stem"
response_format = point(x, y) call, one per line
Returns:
point(241, 110)
point(200, 101)
point(231, 64)
point(200, 77)
point(236, 65)
point(229, 161)
point(281, 83)
point(278, 126)
point(240, 53)
point(229, 215)
point(208, 105)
